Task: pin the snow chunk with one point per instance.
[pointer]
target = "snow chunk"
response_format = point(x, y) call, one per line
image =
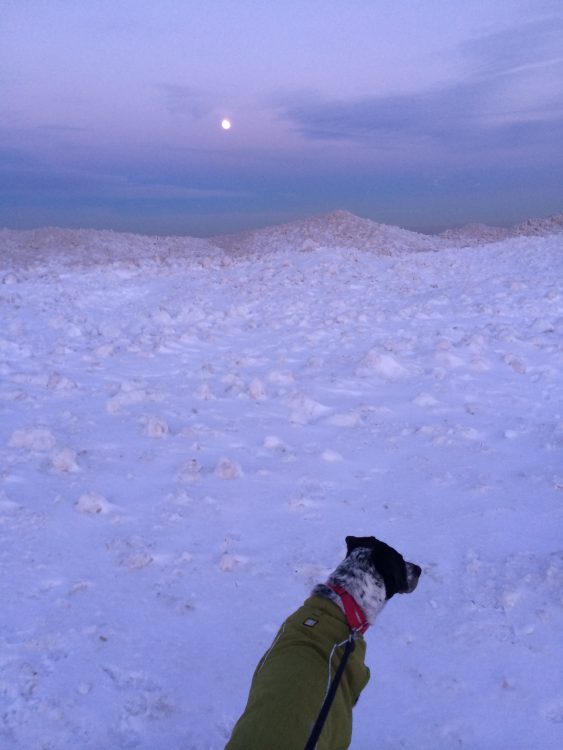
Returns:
point(204, 392)
point(344, 419)
point(309, 245)
point(383, 365)
point(92, 503)
point(306, 409)
point(273, 443)
point(281, 378)
point(541, 325)
point(136, 560)
point(230, 562)
point(227, 469)
point(64, 461)
point(190, 471)
point(33, 439)
point(155, 427)
point(302, 504)
point(8, 506)
point(448, 359)
point(256, 390)
point(425, 399)
point(517, 364)
point(58, 382)
point(128, 395)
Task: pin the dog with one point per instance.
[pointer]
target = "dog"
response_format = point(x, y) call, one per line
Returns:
point(291, 679)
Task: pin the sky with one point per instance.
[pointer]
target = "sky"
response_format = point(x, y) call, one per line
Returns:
point(422, 114)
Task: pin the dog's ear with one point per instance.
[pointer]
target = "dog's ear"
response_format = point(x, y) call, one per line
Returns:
point(392, 568)
point(353, 542)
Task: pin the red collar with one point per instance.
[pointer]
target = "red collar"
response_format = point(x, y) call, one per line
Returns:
point(355, 615)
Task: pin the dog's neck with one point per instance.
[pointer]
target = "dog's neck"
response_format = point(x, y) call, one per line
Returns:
point(359, 578)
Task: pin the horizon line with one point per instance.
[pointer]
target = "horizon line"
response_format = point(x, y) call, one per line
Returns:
point(437, 229)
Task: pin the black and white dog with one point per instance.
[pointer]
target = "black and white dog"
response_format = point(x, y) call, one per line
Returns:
point(290, 682)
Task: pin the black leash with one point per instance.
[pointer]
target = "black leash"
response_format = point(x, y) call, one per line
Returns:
point(325, 708)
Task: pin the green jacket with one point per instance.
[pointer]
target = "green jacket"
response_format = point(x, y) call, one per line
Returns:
point(290, 683)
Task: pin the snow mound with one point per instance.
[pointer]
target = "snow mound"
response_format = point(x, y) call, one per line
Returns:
point(55, 248)
point(540, 227)
point(335, 229)
point(80, 248)
point(482, 234)
point(476, 234)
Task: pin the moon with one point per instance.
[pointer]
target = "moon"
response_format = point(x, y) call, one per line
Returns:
point(226, 124)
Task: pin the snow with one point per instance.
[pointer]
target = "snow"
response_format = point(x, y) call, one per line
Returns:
point(188, 433)
point(336, 229)
point(481, 234)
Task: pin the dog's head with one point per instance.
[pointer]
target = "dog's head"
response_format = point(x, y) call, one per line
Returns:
point(399, 576)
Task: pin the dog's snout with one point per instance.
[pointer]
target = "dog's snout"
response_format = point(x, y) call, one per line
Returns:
point(413, 574)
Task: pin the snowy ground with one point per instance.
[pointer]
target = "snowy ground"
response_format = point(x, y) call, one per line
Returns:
point(185, 443)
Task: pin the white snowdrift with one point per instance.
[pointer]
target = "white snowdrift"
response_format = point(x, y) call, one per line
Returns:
point(185, 441)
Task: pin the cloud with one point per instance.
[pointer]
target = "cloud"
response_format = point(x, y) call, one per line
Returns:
point(22, 175)
point(184, 100)
point(511, 98)
point(123, 188)
point(513, 50)
point(62, 129)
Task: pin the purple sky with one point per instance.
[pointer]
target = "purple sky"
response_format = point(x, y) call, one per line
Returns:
point(424, 114)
